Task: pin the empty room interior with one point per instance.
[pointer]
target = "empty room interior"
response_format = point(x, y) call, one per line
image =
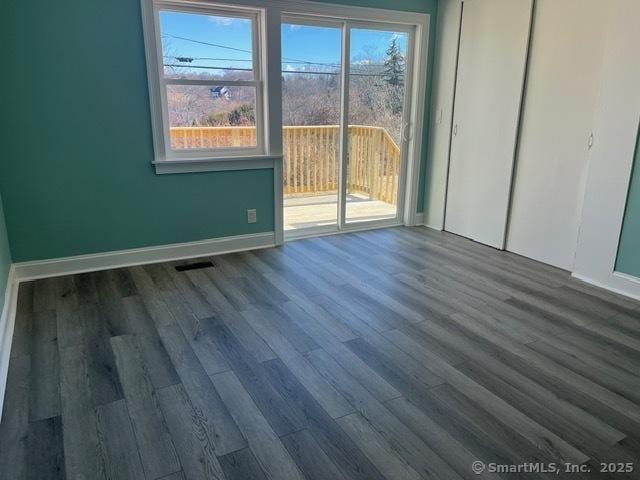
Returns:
point(320, 240)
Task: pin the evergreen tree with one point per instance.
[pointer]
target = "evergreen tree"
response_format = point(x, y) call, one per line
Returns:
point(394, 65)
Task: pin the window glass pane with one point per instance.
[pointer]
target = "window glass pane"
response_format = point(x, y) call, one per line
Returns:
point(311, 64)
point(204, 117)
point(377, 67)
point(206, 47)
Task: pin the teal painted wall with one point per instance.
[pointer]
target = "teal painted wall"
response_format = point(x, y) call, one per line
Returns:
point(5, 257)
point(629, 250)
point(75, 127)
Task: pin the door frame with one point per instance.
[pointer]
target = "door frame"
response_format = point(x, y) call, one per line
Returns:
point(417, 27)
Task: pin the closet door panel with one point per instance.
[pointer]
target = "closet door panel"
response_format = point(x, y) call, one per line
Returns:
point(491, 64)
point(560, 101)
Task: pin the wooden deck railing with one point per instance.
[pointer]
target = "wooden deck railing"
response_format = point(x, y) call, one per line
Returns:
point(311, 156)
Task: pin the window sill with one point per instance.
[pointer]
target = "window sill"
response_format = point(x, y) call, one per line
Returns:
point(253, 162)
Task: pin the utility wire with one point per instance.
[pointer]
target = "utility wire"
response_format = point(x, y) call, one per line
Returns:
point(207, 43)
point(299, 72)
point(189, 59)
point(240, 49)
point(209, 68)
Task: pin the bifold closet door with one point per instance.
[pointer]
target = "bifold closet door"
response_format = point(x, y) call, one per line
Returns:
point(560, 101)
point(491, 65)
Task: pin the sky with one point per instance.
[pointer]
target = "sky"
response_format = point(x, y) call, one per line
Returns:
point(226, 42)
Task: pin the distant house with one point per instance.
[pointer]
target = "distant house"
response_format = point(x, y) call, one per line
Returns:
point(220, 92)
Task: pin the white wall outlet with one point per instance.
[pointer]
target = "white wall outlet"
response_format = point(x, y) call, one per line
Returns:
point(251, 215)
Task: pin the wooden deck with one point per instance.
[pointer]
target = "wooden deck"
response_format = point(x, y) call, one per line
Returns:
point(321, 210)
point(393, 354)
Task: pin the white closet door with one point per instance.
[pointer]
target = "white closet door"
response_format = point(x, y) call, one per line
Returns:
point(491, 64)
point(561, 96)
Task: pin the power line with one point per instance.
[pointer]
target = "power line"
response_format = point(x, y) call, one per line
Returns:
point(209, 68)
point(207, 43)
point(242, 50)
point(183, 58)
point(302, 72)
point(299, 72)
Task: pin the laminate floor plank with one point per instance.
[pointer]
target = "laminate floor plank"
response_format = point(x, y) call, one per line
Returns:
point(232, 318)
point(449, 448)
point(101, 368)
point(22, 329)
point(472, 349)
point(294, 334)
point(221, 429)
point(83, 456)
point(310, 458)
point(625, 385)
point(44, 294)
point(555, 446)
point(161, 371)
point(331, 400)
point(189, 433)
point(45, 449)
point(480, 431)
point(401, 439)
point(45, 367)
point(362, 372)
point(118, 443)
point(282, 419)
point(619, 403)
point(331, 438)
point(263, 442)
point(99, 287)
point(65, 293)
point(194, 297)
point(194, 330)
point(593, 447)
point(392, 353)
point(156, 448)
point(241, 465)
point(337, 328)
point(377, 448)
point(87, 290)
point(14, 427)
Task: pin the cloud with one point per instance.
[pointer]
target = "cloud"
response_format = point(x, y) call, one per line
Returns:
point(224, 21)
point(294, 27)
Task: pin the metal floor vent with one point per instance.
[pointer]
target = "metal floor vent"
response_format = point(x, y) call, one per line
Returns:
point(194, 266)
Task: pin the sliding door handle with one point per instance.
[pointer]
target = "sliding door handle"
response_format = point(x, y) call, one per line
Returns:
point(455, 130)
point(405, 128)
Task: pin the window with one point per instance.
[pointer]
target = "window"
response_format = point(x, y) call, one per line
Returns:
point(209, 83)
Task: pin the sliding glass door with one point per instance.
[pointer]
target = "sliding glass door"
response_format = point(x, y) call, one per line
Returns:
point(344, 99)
point(377, 77)
point(311, 105)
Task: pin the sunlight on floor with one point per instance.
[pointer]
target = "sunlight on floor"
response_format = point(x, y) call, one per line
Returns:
point(321, 210)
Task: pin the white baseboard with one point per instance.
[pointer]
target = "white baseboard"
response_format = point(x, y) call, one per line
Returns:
point(139, 256)
point(434, 227)
point(7, 322)
point(617, 282)
point(419, 219)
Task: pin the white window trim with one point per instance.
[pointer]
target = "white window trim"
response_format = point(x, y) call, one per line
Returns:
point(166, 158)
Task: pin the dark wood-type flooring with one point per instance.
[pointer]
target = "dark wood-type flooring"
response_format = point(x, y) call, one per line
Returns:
point(401, 353)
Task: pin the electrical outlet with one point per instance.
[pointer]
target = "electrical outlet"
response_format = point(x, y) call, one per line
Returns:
point(251, 215)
